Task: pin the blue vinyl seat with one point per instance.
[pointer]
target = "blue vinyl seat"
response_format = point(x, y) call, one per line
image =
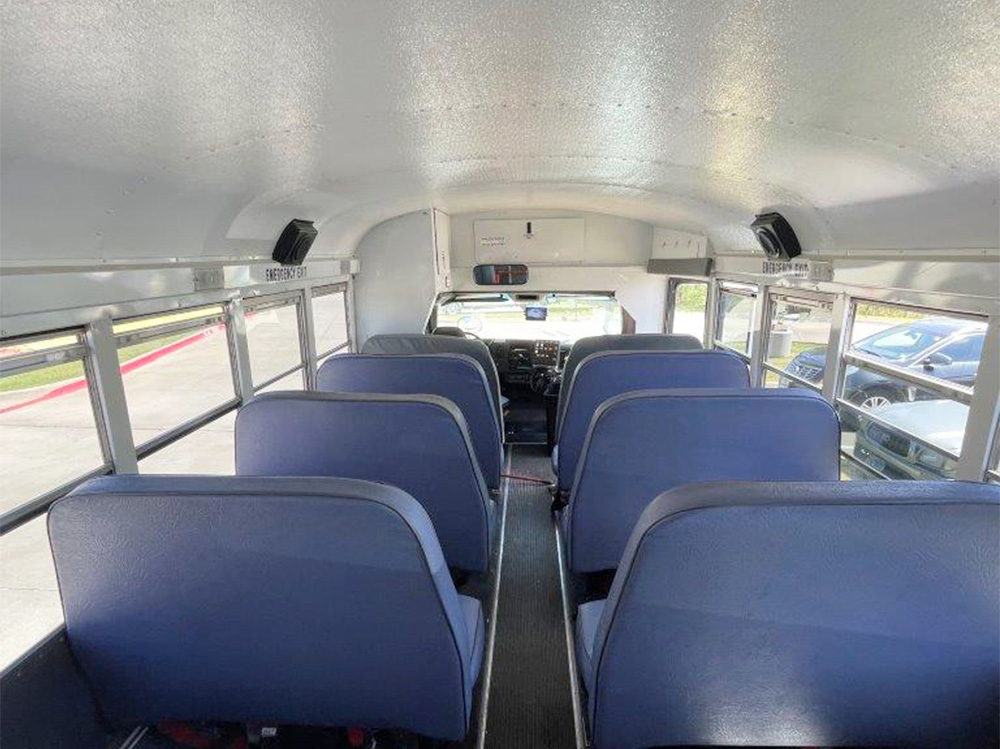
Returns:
point(419, 443)
point(801, 614)
point(323, 602)
point(640, 444)
point(413, 343)
point(584, 347)
point(456, 377)
point(609, 373)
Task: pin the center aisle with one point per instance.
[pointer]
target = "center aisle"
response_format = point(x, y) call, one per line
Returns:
point(530, 704)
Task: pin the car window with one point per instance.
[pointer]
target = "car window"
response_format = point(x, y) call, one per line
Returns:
point(899, 343)
point(965, 350)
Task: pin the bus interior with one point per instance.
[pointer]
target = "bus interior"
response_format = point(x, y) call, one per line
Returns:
point(499, 375)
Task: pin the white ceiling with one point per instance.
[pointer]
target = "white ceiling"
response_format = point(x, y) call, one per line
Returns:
point(183, 128)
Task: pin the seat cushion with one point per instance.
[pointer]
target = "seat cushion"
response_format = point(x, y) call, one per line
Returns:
point(472, 613)
point(587, 618)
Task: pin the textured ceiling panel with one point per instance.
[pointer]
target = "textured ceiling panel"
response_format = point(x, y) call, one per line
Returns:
point(185, 128)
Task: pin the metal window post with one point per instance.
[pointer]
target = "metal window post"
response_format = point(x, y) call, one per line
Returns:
point(840, 334)
point(711, 315)
point(110, 391)
point(239, 349)
point(758, 335)
point(307, 337)
point(349, 311)
point(981, 426)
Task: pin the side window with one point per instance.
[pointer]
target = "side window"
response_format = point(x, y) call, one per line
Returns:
point(688, 308)
point(175, 368)
point(795, 346)
point(903, 411)
point(329, 307)
point(274, 340)
point(50, 439)
point(734, 319)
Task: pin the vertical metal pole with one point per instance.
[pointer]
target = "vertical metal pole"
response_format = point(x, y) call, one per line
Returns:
point(711, 314)
point(307, 337)
point(838, 342)
point(669, 305)
point(352, 331)
point(758, 335)
point(110, 390)
point(981, 426)
point(239, 350)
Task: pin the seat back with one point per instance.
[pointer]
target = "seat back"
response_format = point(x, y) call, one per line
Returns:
point(413, 343)
point(641, 444)
point(262, 601)
point(804, 614)
point(416, 442)
point(609, 373)
point(584, 347)
point(453, 376)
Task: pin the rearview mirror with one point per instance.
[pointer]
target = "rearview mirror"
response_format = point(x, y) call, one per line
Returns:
point(500, 275)
point(536, 313)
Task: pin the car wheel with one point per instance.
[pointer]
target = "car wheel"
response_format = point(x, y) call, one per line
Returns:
point(876, 399)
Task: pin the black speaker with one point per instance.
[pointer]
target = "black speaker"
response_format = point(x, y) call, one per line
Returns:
point(294, 242)
point(776, 236)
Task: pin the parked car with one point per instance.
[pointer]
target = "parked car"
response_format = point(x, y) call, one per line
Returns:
point(897, 456)
point(942, 347)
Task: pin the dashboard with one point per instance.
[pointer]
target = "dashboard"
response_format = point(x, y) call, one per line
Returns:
point(518, 362)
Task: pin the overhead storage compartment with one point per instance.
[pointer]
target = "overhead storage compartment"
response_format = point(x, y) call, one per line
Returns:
point(544, 240)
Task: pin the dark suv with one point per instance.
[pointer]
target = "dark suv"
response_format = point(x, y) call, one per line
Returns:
point(942, 347)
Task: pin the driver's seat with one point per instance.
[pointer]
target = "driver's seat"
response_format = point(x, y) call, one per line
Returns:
point(417, 343)
point(450, 330)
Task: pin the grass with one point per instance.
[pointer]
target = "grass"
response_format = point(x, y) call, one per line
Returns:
point(74, 370)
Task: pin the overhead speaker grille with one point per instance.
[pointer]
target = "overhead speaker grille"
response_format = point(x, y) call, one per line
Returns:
point(294, 243)
point(776, 236)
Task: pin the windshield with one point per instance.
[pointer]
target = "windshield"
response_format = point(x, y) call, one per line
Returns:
point(556, 317)
point(901, 342)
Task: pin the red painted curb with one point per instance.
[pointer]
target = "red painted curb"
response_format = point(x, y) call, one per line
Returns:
point(139, 361)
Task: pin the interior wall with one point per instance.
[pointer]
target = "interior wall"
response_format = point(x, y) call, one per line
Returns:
point(394, 288)
point(616, 251)
point(609, 240)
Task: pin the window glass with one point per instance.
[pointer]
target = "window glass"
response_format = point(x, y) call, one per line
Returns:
point(293, 381)
point(329, 320)
point(905, 425)
point(735, 321)
point(172, 378)
point(31, 606)
point(48, 433)
point(555, 317)
point(210, 449)
point(273, 339)
point(796, 341)
point(689, 309)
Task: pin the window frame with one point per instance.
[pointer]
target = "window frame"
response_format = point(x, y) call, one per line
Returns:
point(949, 391)
point(750, 291)
point(673, 284)
point(329, 290)
point(215, 314)
point(32, 361)
point(304, 331)
point(771, 297)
